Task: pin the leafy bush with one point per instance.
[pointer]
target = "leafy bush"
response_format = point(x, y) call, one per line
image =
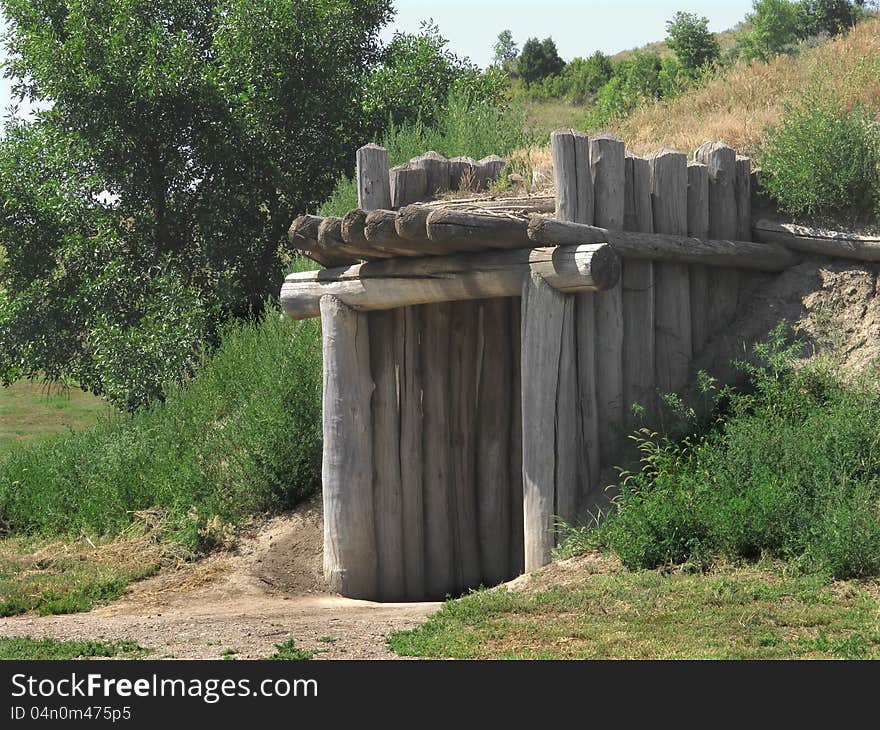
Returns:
point(242, 438)
point(538, 60)
point(792, 469)
point(773, 27)
point(823, 159)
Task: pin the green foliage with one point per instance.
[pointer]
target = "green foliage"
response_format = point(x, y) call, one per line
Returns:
point(28, 649)
point(288, 651)
point(830, 17)
point(538, 60)
point(772, 28)
point(696, 48)
point(200, 126)
point(823, 159)
point(792, 470)
point(578, 83)
point(505, 52)
point(415, 78)
point(242, 438)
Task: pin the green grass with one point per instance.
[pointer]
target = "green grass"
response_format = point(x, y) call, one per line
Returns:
point(33, 412)
point(737, 613)
point(26, 648)
point(51, 576)
point(242, 438)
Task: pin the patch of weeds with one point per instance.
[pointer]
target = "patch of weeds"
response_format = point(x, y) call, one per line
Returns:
point(229, 653)
point(288, 651)
point(26, 648)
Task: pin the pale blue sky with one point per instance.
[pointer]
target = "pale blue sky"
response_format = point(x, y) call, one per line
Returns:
point(579, 27)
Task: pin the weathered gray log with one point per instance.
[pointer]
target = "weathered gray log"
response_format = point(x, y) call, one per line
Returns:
point(743, 189)
point(436, 169)
point(661, 247)
point(493, 440)
point(436, 450)
point(492, 166)
point(819, 240)
point(303, 236)
point(457, 227)
point(575, 202)
point(409, 184)
point(464, 368)
point(571, 170)
point(406, 282)
point(347, 470)
point(698, 227)
point(518, 205)
point(462, 173)
point(386, 340)
point(374, 188)
point(543, 314)
point(517, 555)
point(672, 303)
point(332, 243)
point(608, 161)
point(380, 230)
point(723, 224)
point(587, 397)
point(353, 224)
point(412, 225)
point(411, 475)
point(637, 282)
point(570, 481)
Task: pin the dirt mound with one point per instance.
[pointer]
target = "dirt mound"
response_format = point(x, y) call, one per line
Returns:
point(832, 305)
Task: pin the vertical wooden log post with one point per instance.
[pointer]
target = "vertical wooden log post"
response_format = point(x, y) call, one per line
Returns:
point(637, 281)
point(436, 169)
point(408, 185)
point(517, 553)
point(464, 368)
point(743, 198)
point(723, 283)
point(608, 164)
point(411, 454)
point(551, 461)
point(671, 281)
point(493, 440)
point(436, 452)
point(347, 469)
point(543, 317)
point(374, 186)
point(386, 340)
point(698, 227)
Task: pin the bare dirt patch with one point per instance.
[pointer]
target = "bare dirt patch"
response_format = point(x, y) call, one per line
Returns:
point(267, 590)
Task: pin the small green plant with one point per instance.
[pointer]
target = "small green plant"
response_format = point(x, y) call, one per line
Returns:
point(288, 651)
point(229, 653)
point(823, 159)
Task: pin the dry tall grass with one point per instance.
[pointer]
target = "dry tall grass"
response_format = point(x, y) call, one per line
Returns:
point(739, 104)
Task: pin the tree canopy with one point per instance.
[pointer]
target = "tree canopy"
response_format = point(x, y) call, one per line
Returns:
point(202, 123)
point(689, 36)
point(538, 60)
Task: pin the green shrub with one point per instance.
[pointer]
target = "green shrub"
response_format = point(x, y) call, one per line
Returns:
point(242, 437)
point(792, 470)
point(823, 159)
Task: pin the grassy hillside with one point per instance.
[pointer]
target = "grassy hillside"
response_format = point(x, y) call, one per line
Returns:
point(739, 104)
point(726, 39)
point(32, 412)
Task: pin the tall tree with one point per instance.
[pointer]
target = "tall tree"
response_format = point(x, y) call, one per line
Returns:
point(210, 124)
point(773, 27)
point(688, 35)
point(506, 51)
point(538, 60)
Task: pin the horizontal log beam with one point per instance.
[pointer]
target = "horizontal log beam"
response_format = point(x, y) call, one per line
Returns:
point(665, 247)
point(303, 236)
point(818, 240)
point(488, 230)
point(405, 282)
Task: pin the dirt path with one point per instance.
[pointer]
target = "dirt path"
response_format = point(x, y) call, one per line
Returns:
point(268, 590)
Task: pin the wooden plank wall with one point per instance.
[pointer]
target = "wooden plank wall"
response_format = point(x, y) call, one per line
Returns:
point(457, 434)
